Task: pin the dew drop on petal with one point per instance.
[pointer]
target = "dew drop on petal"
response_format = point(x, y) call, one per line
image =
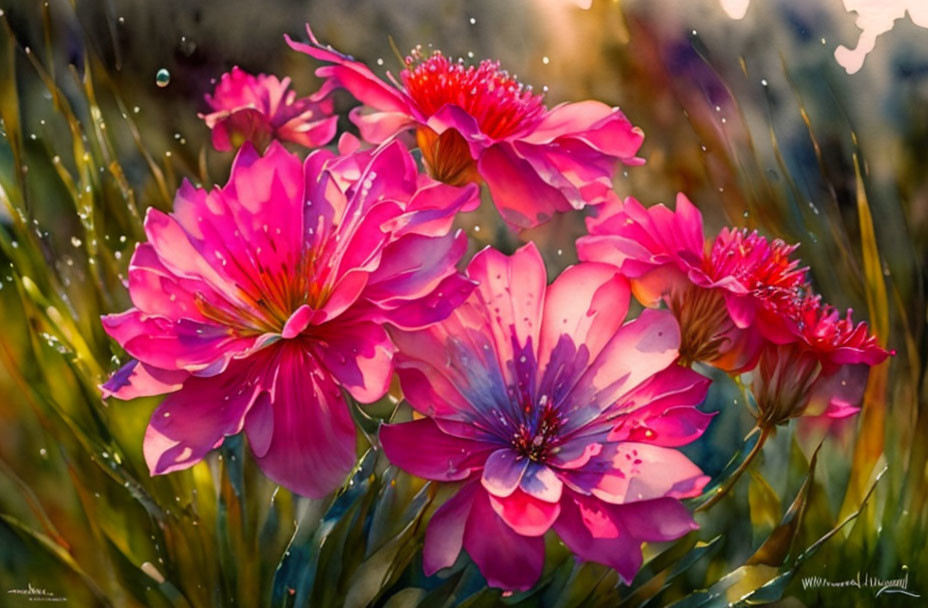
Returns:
point(163, 78)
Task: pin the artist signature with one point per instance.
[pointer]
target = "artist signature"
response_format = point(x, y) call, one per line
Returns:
point(37, 594)
point(880, 586)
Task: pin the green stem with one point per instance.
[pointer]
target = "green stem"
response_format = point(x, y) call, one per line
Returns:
point(731, 481)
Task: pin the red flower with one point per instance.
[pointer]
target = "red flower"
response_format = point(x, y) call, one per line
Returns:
point(479, 123)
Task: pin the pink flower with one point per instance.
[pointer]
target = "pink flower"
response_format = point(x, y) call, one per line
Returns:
point(258, 303)
point(724, 296)
point(821, 371)
point(478, 122)
point(551, 413)
point(260, 108)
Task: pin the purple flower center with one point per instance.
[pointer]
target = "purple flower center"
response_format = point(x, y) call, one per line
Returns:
point(536, 436)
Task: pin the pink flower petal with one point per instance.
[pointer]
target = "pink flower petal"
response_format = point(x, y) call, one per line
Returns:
point(422, 449)
point(433, 208)
point(612, 534)
point(522, 197)
point(135, 379)
point(503, 471)
point(426, 390)
point(598, 125)
point(512, 288)
point(414, 265)
point(352, 75)
point(444, 536)
point(432, 307)
point(661, 411)
point(541, 482)
point(658, 520)
point(194, 420)
point(618, 550)
point(309, 133)
point(359, 355)
point(588, 303)
point(628, 472)
point(378, 127)
point(312, 444)
point(505, 558)
point(525, 514)
point(297, 322)
point(640, 349)
point(157, 291)
point(175, 345)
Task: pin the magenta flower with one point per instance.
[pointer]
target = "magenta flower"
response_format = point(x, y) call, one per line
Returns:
point(258, 303)
point(552, 414)
point(478, 122)
point(260, 108)
point(822, 371)
point(724, 295)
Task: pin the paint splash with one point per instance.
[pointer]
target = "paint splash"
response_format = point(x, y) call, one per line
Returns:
point(876, 17)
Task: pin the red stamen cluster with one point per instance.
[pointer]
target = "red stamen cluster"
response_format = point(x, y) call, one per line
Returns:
point(825, 331)
point(500, 103)
point(762, 266)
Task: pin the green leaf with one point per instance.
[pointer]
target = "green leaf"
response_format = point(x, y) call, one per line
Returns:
point(295, 579)
point(777, 546)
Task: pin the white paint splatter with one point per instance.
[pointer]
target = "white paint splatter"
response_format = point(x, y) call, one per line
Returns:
point(736, 9)
point(876, 17)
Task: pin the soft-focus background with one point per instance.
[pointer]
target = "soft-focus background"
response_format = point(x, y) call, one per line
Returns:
point(763, 113)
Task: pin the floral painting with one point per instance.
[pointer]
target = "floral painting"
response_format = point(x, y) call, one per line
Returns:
point(539, 303)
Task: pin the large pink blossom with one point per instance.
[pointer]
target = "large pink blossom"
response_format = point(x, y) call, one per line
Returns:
point(552, 413)
point(478, 122)
point(258, 303)
point(725, 293)
point(260, 108)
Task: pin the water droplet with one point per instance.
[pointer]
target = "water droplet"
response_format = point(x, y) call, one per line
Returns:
point(763, 81)
point(380, 61)
point(545, 60)
point(76, 242)
point(163, 78)
point(473, 21)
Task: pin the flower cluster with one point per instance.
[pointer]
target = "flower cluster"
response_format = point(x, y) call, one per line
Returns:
point(743, 303)
point(270, 305)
